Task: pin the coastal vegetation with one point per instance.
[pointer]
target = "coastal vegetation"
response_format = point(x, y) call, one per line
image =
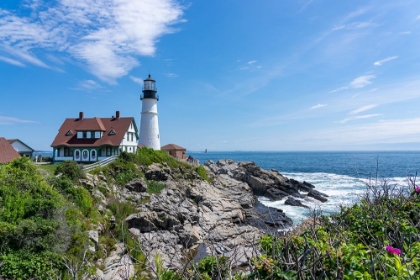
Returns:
point(47, 221)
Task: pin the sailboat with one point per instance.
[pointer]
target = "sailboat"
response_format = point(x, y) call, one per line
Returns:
point(205, 151)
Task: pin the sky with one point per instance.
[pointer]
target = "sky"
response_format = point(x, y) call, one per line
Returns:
point(301, 75)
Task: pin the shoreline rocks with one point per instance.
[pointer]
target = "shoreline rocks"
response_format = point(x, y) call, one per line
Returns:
point(223, 216)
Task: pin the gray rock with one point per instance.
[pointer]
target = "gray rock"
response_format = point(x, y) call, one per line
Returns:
point(137, 185)
point(318, 196)
point(94, 236)
point(294, 202)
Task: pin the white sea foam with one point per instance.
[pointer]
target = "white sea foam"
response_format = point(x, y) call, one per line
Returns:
point(342, 191)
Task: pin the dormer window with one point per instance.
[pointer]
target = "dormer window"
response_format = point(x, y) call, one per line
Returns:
point(84, 134)
point(112, 132)
point(69, 133)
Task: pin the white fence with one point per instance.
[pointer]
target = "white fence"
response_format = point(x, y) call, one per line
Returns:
point(104, 162)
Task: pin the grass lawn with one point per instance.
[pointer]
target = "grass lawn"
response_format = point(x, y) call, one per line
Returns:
point(46, 169)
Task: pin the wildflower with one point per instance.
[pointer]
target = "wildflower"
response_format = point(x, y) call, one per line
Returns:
point(417, 189)
point(393, 250)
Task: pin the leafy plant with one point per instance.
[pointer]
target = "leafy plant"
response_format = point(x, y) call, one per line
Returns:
point(155, 187)
point(71, 170)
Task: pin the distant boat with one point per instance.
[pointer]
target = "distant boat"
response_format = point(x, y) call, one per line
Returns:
point(205, 151)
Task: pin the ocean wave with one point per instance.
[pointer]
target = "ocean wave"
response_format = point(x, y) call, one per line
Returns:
point(342, 190)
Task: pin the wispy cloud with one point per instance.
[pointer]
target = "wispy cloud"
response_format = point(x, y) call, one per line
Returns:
point(405, 33)
point(12, 61)
point(362, 109)
point(355, 25)
point(382, 61)
point(339, 89)
point(418, 17)
point(252, 62)
point(89, 85)
point(13, 121)
point(171, 75)
point(359, 82)
point(137, 80)
point(306, 4)
point(317, 106)
point(362, 81)
point(108, 36)
point(358, 117)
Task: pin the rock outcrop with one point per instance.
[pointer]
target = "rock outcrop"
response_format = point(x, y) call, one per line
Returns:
point(191, 217)
point(223, 217)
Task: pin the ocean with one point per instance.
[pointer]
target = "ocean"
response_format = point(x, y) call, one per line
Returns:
point(341, 175)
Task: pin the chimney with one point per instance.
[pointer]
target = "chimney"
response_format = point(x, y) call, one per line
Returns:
point(117, 115)
point(81, 115)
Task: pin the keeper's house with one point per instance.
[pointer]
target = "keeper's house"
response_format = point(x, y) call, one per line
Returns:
point(86, 140)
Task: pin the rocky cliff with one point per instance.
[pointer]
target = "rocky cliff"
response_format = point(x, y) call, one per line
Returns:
point(193, 217)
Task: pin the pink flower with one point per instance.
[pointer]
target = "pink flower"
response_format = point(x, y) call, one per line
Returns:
point(417, 189)
point(393, 250)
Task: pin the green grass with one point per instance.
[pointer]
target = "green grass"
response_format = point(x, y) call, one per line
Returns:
point(46, 169)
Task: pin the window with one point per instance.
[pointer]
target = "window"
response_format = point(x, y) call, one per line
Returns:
point(69, 133)
point(93, 154)
point(68, 152)
point(77, 156)
point(108, 151)
point(92, 134)
point(112, 132)
point(85, 154)
point(84, 134)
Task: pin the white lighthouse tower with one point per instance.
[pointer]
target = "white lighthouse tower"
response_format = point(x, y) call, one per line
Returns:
point(149, 126)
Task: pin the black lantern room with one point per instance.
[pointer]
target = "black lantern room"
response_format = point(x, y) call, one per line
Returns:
point(149, 89)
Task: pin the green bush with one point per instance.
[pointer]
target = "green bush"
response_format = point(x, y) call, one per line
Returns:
point(350, 245)
point(71, 170)
point(38, 225)
point(121, 171)
point(23, 265)
point(155, 187)
point(78, 195)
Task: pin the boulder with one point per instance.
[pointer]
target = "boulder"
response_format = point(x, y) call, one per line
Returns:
point(318, 196)
point(137, 185)
point(156, 173)
point(294, 202)
point(118, 266)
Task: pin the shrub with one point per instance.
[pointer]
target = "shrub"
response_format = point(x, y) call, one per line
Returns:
point(24, 265)
point(71, 170)
point(378, 238)
point(155, 187)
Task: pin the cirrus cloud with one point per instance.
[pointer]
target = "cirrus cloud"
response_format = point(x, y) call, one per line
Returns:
point(106, 35)
point(382, 61)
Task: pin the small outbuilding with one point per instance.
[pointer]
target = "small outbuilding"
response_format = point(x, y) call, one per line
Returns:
point(21, 148)
point(175, 151)
point(7, 152)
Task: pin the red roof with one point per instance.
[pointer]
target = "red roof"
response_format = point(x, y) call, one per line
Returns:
point(172, 147)
point(7, 152)
point(106, 125)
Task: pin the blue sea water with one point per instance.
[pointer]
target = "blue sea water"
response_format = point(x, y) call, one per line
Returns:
point(341, 175)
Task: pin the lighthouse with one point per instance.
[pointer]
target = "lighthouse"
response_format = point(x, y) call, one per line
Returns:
point(149, 126)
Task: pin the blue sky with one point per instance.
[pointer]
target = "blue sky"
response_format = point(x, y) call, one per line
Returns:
point(231, 75)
